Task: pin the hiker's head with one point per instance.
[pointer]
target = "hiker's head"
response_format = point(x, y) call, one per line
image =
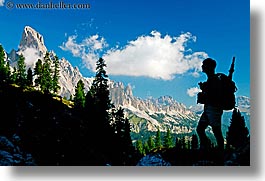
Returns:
point(208, 65)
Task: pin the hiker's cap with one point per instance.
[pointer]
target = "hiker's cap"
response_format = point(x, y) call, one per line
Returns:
point(210, 63)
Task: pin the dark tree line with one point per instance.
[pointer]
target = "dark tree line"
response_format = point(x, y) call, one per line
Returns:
point(166, 142)
point(110, 122)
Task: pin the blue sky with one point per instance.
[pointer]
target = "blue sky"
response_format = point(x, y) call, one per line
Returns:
point(155, 46)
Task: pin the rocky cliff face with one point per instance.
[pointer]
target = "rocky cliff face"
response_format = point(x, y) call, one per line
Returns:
point(32, 39)
point(69, 76)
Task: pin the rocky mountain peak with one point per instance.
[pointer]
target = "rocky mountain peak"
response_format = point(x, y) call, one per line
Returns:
point(166, 100)
point(128, 90)
point(32, 39)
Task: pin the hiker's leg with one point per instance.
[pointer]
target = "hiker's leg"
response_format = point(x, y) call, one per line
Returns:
point(202, 125)
point(214, 115)
point(220, 141)
point(217, 130)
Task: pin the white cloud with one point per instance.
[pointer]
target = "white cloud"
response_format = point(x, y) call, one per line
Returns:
point(2, 2)
point(87, 49)
point(31, 56)
point(154, 55)
point(193, 91)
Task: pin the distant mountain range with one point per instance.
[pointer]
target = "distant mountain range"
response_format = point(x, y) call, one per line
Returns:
point(145, 115)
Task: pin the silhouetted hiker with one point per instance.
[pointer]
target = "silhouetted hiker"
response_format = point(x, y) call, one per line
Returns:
point(212, 114)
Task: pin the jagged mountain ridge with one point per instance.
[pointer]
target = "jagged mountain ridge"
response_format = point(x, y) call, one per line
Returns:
point(161, 113)
point(69, 76)
point(148, 114)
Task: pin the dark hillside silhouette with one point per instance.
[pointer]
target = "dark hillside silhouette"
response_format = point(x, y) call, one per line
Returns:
point(55, 133)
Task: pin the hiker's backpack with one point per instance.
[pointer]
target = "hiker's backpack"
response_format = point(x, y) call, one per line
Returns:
point(227, 90)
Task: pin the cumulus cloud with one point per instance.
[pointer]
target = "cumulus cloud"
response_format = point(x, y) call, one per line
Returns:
point(153, 55)
point(88, 49)
point(193, 91)
point(2, 2)
point(31, 56)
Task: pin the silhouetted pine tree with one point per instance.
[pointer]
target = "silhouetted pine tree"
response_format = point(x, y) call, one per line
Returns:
point(29, 77)
point(238, 133)
point(122, 129)
point(99, 92)
point(177, 143)
point(189, 144)
point(194, 142)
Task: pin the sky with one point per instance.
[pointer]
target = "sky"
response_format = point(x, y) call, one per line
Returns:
point(155, 46)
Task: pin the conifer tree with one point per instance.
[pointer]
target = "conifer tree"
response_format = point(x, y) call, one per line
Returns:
point(79, 97)
point(55, 78)
point(183, 144)
point(238, 133)
point(177, 143)
point(151, 143)
point(46, 83)
point(3, 67)
point(89, 102)
point(13, 77)
point(100, 93)
point(158, 139)
point(38, 69)
point(21, 71)
point(100, 87)
point(29, 77)
point(146, 148)
point(139, 147)
point(168, 139)
point(8, 71)
point(122, 130)
point(194, 142)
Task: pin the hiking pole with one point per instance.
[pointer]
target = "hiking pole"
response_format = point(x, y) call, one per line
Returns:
point(232, 68)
